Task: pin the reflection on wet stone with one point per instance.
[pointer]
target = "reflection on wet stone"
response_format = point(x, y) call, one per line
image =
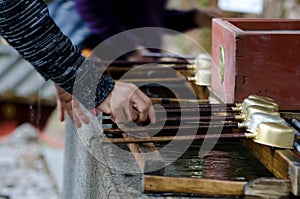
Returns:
point(227, 161)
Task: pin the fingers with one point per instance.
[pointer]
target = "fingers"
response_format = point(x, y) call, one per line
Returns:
point(66, 103)
point(74, 118)
point(61, 110)
point(142, 104)
point(152, 116)
point(127, 103)
point(79, 113)
point(75, 113)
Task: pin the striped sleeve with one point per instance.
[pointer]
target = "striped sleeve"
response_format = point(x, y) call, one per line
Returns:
point(27, 26)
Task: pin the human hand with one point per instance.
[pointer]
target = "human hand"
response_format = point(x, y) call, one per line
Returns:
point(127, 103)
point(67, 103)
point(204, 17)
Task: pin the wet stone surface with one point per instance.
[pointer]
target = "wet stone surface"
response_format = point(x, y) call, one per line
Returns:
point(227, 161)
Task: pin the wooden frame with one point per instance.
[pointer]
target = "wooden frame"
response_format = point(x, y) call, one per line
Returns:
point(246, 52)
point(193, 185)
point(282, 163)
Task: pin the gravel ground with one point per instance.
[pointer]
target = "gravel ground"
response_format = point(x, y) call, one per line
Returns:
point(23, 172)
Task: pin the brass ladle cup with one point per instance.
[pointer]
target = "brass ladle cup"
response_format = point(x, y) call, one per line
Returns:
point(259, 117)
point(250, 101)
point(274, 134)
point(263, 98)
point(202, 77)
point(245, 115)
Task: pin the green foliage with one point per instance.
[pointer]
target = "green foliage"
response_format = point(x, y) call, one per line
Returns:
point(203, 4)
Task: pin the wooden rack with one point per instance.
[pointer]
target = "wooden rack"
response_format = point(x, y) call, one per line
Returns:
point(284, 164)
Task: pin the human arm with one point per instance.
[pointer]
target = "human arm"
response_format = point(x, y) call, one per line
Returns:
point(27, 27)
point(138, 110)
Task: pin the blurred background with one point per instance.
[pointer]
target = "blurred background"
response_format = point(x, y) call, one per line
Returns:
point(31, 135)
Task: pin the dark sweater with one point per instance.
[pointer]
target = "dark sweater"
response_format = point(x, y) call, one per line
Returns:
point(26, 25)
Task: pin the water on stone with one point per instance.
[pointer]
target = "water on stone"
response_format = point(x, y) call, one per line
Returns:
point(227, 161)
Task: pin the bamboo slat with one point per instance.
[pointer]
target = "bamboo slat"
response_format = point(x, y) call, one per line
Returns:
point(161, 139)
